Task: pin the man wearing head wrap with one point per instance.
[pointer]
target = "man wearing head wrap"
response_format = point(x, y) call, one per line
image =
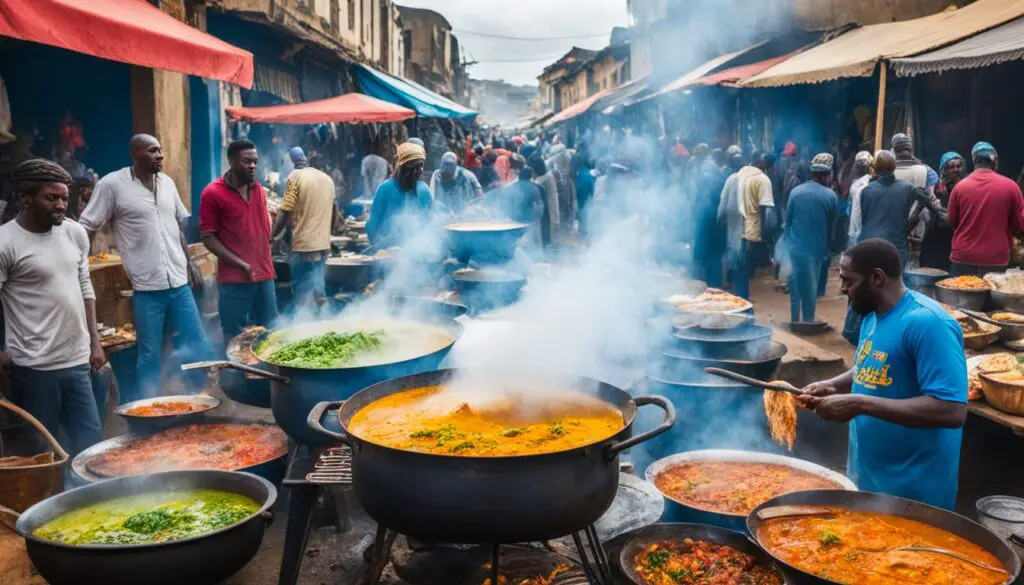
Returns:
point(918, 174)
point(985, 210)
point(453, 186)
point(937, 245)
point(811, 216)
point(308, 211)
point(861, 178)
point(745, 216)
point(402, 203)
point(50, 307)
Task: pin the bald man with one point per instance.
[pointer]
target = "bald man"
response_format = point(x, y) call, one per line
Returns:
point(144, 209)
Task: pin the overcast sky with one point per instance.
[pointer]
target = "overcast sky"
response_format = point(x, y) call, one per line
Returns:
point(525, 18)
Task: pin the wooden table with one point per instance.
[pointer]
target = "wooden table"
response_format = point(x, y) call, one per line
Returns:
point(985, 410)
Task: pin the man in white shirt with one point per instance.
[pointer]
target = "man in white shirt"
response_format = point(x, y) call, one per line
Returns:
point(143, 207)
point(49, 307)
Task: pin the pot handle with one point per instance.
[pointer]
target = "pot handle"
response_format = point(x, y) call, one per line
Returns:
point(666, 424)
point(225, 364)
point(267, 516)
point(317, 414)
point(1017, 538)
point(8, 517)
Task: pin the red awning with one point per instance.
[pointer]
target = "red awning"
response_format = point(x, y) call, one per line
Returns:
point(351, 107)
point(737, 74)
point(129, 31)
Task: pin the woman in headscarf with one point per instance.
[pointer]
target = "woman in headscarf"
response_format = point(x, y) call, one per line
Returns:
point(937, 244)
point(504, 169)
point(560, 164)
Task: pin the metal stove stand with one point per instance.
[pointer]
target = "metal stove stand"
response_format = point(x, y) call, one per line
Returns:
point(309, 470)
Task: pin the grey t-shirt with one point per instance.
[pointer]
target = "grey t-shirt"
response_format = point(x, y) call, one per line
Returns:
point(43, 281)
point(146, 228)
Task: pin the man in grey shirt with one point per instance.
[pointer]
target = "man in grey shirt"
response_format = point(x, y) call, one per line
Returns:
point(50, 307)
point(143, 207)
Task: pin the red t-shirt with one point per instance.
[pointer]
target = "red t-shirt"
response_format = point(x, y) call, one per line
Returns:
point(986, 208)
point(243, 227)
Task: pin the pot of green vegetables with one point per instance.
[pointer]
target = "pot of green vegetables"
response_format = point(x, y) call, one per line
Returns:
point(332, 360)
point(197, 527)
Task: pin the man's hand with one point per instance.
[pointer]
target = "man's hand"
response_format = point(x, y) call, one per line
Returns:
point(195, 277)
point(838, 408)
point(248, 270)
point(97, 357)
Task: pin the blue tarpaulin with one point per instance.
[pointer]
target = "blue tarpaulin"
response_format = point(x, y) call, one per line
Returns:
point(403, 92)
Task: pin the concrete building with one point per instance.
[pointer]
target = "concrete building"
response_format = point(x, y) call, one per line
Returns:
point(581, 73)
point(550, 81)
point(432, 55)
point(501, 103)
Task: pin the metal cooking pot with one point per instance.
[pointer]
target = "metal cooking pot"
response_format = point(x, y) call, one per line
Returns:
point(676, 511)
point(741, 343)
point(883, 504)
point(150, 424)
point(485, 289)
point(762, 367)
point(295, 391)
point(1005, 301)
point(207, 559)
point(426, 306)
point(973, 300)
point(350, 275)
point(495, 245)
point(444, 498)
point(272, 471)
point(640, 539)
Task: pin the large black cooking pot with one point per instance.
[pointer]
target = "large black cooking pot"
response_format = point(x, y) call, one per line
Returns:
point(486, 289)
point(742, 343)
point(684, 364)
point(883, 504)
point(484, 241)
point(207, 559)
point(350, 275)
point(295, 391)
point(446, 498)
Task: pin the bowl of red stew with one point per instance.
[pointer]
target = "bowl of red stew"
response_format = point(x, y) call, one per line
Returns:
point(150, 415)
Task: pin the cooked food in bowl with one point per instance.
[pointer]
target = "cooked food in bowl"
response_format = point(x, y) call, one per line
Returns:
point(734, 487)
point(439, 421)
point(974, 283)
point(996, 363)
point(352, 343)
point(1009, 282)
point(149, 518)
point(227, 446)
point(167, 408)
point(967, 324)
point(858, 548)
point(693, 562)
point(1009, 318)
point(711, 300)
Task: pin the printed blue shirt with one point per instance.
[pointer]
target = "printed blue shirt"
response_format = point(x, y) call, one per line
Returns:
point(916, 349)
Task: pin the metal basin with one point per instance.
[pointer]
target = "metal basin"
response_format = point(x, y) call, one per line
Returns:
point(477, 241)
point(973, 300)
point(1007, 301)
point(350, 275)
point(202, 560)
point(741, 343)
point(487, 289)
point(680, 363)
point(151, 424)
point(676, 511)
point(496, 500)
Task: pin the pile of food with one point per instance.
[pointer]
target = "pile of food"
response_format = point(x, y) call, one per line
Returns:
point(734, 487)
point(693, 562)
point(149, 518)
point(110, 336)
point(1010, 282)
point(330, 350)
point(422, 420)
point(859, 548)
point(972, 283)
point(166, 408)
point(997, 363)
point(711, 300)
point(1012, 318)
point(227, 446)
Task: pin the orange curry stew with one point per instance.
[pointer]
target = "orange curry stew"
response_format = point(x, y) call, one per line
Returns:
point(419, 420)
point(858, 548)
point(696, 562)
point(734, 487)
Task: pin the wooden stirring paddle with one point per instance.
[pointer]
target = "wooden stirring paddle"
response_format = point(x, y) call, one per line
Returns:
point(777, 387)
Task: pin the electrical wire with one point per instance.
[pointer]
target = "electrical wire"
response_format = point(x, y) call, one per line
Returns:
point(511, 38)
point(538, 60)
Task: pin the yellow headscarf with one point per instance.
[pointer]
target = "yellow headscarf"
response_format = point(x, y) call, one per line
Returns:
point(409, 152)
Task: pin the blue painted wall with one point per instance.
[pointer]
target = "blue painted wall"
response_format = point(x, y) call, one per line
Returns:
point(44, 82)
point(207, 141)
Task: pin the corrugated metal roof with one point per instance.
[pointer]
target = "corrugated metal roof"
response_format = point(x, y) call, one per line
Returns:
point(688, 79)
point(856, 53)
point(999, 45)
point(580, 107)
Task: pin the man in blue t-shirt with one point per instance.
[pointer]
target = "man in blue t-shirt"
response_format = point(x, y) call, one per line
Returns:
point(906, 395)
point(402, 204)
point(810, 227)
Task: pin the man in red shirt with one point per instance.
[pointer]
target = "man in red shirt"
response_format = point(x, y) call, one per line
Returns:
point(985, 210)
point(235, 226)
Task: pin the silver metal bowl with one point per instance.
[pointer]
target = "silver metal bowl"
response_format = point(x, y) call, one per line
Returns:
point(1008, 302)
point(150, 424)
point(973, 300)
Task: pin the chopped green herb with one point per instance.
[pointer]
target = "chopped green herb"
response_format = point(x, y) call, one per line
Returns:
point(658, 559)
point(424, 435)
point(557, 429)
point(828, 539)
point(514, 432)
point(462, 446)
point(330, 350)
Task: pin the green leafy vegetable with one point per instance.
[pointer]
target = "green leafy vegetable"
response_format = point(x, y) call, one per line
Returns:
point(514, 432)
point(658, 559)
point(329, 350)
point(829, 538)
point(462, 446)
point(557, 429)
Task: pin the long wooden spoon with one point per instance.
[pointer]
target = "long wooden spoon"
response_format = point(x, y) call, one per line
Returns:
point(950, 554)
point(753, 381)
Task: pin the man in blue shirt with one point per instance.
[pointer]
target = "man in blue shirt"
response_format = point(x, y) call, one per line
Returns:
point(906, 395)
point(810, 226)
point(402, 203)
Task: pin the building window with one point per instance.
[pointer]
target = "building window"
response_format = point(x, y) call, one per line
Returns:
point(352, 15)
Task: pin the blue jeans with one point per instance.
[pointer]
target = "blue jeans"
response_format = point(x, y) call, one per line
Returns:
point(308, 285)
point(741, 268)
point(245, 304)
point(153, 310)
point(60, 399)
point(803, 286)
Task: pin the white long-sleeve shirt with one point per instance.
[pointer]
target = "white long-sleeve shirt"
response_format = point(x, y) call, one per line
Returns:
point(855, 214)
point(44, 279)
